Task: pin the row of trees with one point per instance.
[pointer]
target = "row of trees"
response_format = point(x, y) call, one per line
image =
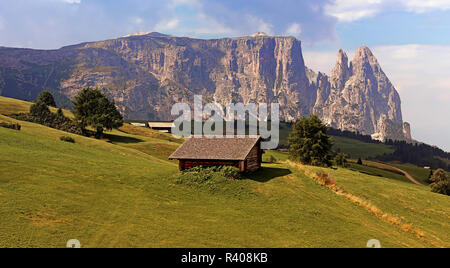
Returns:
point(419, 154)
point(91, 109)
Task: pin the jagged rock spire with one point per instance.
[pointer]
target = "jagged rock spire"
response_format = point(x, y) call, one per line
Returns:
point(361, 98)
point(341, 71)
point(365, 62)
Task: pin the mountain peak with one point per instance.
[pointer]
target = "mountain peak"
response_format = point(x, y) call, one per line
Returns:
point(363, 52)
point(341, 71)
point(365, 62)
point(342, 57)
point(259, 34)
point(151, 34)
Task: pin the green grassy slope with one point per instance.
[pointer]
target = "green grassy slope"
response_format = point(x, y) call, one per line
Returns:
point(374, 171)
point(356, 149)
point(9, 106)
point(122, 193)
point(419, 173)
point(53, 191)
point(413, 204)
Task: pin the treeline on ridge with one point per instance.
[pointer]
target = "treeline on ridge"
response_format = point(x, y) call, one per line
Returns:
point(416, 153)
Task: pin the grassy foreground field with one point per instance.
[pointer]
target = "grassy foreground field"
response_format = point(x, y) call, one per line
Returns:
point(122, 193)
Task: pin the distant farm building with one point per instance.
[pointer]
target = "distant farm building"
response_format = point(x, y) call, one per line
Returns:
point(165, 127)
point(139, 124)
point(243, 153)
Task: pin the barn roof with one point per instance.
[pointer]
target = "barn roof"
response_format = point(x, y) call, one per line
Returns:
point(206, 148)
point(161, 124)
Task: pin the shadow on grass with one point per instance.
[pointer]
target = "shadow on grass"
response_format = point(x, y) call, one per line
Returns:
point(122, 139)
point(266, 174)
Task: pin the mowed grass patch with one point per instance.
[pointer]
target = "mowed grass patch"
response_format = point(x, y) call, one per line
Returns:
point(52, 190)
point(146, 132)
point(377, 172)
point(414, 205)
point(159, 145)
point(54, 134)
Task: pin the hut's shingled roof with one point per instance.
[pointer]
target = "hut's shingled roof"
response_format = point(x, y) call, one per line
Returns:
point(204, 148)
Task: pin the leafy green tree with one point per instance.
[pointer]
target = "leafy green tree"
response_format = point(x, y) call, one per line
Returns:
point(92, 108)
point(60, 113)
point(360, 162)
point(440, 182)
point(46, 98)
point(309, 142)
point(341, 160)
point(40, 110)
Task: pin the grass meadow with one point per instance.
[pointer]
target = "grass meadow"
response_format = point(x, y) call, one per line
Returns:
point(122, 192)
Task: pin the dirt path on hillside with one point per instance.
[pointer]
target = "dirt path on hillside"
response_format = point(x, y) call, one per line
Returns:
point(407, 175)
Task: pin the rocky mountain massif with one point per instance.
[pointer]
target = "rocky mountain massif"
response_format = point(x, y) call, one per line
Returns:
point(147, 74)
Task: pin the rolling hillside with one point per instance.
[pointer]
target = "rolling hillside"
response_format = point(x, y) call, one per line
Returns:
point(353, 148)
point(122, 193)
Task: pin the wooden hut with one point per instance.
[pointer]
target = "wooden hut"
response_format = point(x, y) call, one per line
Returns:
point(243, 153)
point(165, 127)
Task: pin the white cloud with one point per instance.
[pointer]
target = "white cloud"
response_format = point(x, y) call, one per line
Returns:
point(259, 25)
point(421, 75)
point(206, 25)
point(167, 25)
point(294, 29)
point(138, 20)
point(320, 61)
point(421, 6)
point(352, 10)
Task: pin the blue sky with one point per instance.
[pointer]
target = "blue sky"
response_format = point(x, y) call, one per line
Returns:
point(410, 38)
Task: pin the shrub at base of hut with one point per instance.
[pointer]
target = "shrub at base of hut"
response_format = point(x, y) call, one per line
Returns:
point(212, 179)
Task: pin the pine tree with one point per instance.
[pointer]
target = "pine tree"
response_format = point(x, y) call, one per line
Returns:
point(360, 162)
point(309, 142)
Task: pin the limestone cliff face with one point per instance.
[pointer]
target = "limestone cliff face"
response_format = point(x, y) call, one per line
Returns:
point(361, 98)
point(249, 69)
point(147, 74)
